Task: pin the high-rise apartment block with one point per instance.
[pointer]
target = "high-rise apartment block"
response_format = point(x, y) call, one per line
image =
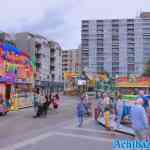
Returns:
point(118, 46)
point(71, 60)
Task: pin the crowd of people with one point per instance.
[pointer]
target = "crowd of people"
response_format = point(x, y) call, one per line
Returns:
point(135, 114)
point(42, 103)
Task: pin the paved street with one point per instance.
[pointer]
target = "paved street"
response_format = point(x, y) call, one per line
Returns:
point(19, 131)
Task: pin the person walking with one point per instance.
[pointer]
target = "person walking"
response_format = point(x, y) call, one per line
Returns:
point(35, 101)
point(146, 100)
point(139, 119)
point(80, 112)
point(39, 110)
point(46, 104)
point(119, 109)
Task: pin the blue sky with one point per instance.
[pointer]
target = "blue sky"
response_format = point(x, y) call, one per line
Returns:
point(60, 20)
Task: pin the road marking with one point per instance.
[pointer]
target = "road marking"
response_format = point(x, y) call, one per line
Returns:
point(91, 130)
point(33, 140)
point(84, 137)
point(73, 124)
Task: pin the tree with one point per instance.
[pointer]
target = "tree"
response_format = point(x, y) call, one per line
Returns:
point(147, 69)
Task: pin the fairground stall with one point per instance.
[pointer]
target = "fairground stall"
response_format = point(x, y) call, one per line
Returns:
point(70, 83)
point(130, 86)
point(17, 70)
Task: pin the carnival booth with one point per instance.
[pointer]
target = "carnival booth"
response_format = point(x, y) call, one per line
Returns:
point(131, 85)
point(70, 83)
point(17, 69)
point(129, 88)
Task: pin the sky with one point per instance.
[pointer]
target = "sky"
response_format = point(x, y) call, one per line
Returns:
point(60, 20)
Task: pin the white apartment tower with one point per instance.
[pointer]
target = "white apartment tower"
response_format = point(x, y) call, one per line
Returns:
point(118, 46)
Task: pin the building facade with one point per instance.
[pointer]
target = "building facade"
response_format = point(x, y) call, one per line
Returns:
point(39, 47)
point(118, 46)
point(7, 38)
point(55, 61)
point(71, 60)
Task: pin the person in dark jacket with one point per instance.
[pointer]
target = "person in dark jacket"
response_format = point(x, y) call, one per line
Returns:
point(46, 105)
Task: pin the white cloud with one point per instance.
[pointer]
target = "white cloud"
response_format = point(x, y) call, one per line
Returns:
point(60, 19)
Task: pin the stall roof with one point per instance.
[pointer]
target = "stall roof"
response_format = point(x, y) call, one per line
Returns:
point(132, 85)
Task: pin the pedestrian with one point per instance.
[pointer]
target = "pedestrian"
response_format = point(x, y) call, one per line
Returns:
point(139, 119)
point(80, 112)
point(50, 97)
point(55, 102)
point(105, 103)
point(57, 97)
point(145, 100)
point(39, 110)
point(46, 104)
point(119, 109)
point(35, 101)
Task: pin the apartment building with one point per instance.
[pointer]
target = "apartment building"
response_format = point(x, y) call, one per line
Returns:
point(71, 60)
point(39, 47)
point(118, 46)
point(55, 61)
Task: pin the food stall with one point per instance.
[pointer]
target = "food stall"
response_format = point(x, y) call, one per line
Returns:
point(16, 73)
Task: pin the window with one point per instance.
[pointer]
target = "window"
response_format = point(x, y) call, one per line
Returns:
point(130, 30)
point(115, 30)
point(85, 46)
point(115, 59)
point(99, 21)
point(115, 20)
point(130, 34)
point(131, 59)
point(85, 26)
point(115, 50)
point(85, 31)
point(85, 41)
point(99, 41)
point(115, 69)
point(85, 36)
point(147, 30)
point(116, 26)
point(100, 50)
point(115, 54)
point(100, 35)
point(115, 64)
point(100, 58)
point(130, 20)
point(131, 54)
point(131, 67)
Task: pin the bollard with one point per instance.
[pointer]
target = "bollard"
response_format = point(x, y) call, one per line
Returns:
point(107, 119)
